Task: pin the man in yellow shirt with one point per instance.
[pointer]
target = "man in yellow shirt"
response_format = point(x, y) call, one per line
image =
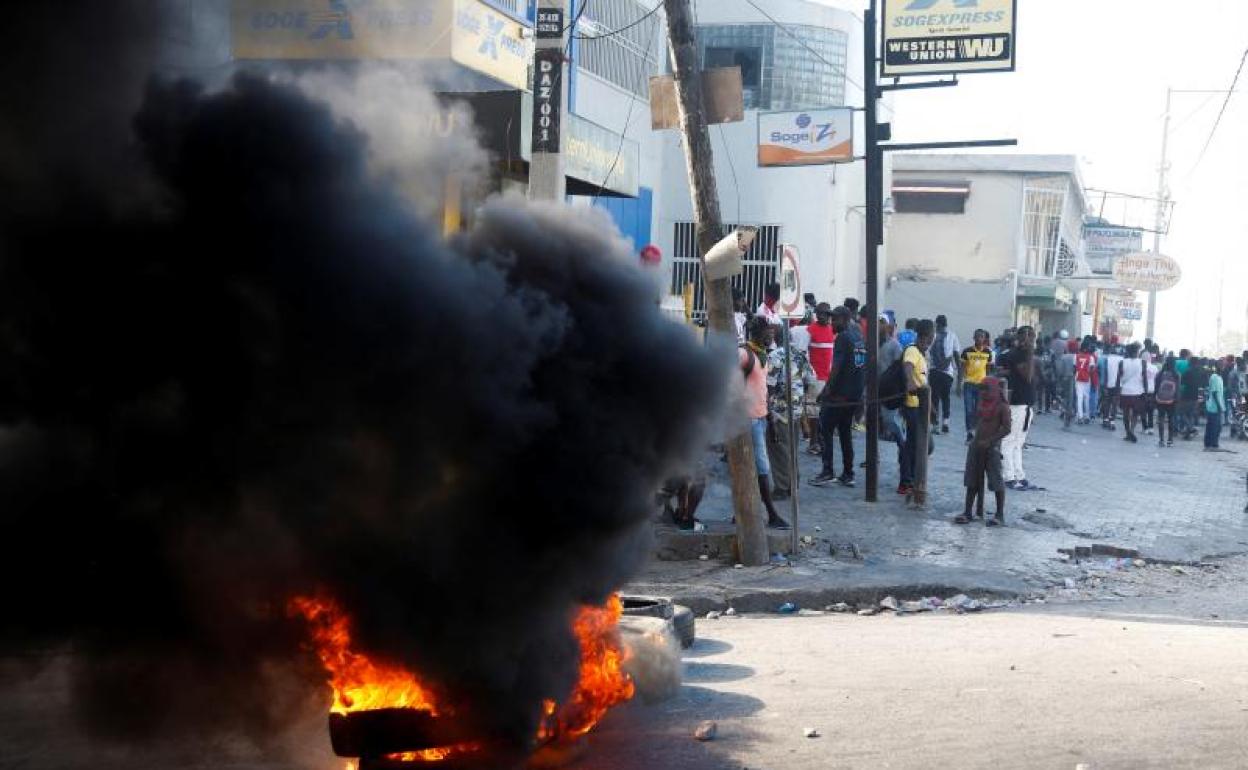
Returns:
point(976, 361)
point(914, 360)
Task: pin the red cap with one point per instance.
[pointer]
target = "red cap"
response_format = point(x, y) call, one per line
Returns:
point(651, 255)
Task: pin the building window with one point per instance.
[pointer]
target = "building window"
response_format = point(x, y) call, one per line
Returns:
point(779, 72)
point(760, 264)
point(627, 58)
point(1044, 200)
point(926, 196)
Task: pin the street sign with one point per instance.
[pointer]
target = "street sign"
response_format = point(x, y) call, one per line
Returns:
point(807, 138)
point(791, 304)
point(940, 37)
point(549, 23)
point(1146, 271)
point(547, 98)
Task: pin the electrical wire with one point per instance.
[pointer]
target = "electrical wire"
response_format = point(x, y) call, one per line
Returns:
point(628, 117)
point(731, 167)
point(836, 68)
point(625, 28)
point(1222, 111)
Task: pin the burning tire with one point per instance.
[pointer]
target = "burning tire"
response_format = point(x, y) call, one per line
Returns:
point(648, 607)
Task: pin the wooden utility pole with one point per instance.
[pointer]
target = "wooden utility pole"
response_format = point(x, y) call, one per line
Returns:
point(751, 525)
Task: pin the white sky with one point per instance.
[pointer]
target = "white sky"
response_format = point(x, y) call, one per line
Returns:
point(1091, 82)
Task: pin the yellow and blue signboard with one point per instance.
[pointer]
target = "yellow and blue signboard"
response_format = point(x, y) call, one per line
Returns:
point(465, 31)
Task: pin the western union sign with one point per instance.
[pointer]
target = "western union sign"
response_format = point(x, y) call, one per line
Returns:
point(465, 31)
point(935, 37)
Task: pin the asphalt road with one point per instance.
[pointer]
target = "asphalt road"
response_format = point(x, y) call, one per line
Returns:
point(1152, 681)
point(1134, 685)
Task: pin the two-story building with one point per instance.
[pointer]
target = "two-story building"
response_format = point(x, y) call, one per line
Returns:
point(991, 241)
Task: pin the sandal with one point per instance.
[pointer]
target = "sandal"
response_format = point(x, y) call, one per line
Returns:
point(995, 521)
point(963, 519)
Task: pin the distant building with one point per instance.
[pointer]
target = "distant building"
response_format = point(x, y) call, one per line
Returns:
point(991, 241)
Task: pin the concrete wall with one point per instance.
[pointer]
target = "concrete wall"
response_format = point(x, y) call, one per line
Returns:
point(969, 306)
point(981, 244)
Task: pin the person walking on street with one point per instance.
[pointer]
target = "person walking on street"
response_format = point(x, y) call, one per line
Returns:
point(1087, 381)
point(914, 362)
point(943, 358)
point(752, 359)
point(1189, 394)
point(1066, 381)
point(1215, 408)
point(822, 338)
point(1132, 383)
point(1020, 365)
point(983, 456)
point(1109, 387)
point(1166, 396)
point(976, 362)
point(890, 352)
point(841, 397)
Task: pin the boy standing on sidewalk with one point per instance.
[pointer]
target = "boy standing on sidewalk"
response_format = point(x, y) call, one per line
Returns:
point(983, 456)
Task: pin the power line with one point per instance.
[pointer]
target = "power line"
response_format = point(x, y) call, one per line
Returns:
point(632, 100)
point(836, 68)
point(625, 28)
point(1222, 111)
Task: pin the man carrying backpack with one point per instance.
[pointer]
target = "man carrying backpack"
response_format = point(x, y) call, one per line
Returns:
point(1166, 396)
point(944, 370)
point(840, 398)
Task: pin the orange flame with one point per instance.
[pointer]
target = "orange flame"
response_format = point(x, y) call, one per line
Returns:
point(602, 683)
point(360, 684)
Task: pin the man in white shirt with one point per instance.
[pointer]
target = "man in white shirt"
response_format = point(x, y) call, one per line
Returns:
point(1110, 390)
point(1131, 380)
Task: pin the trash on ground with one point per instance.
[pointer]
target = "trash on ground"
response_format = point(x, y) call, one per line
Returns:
point(787, 608)
point(888, 603)
point(810, 732)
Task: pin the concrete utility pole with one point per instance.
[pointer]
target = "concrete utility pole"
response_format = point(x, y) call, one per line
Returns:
point(751, 525)
point(546, 179)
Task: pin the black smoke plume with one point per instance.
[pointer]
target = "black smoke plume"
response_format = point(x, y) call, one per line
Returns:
point(256, 374)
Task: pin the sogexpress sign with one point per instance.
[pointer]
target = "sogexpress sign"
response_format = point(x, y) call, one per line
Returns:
point(809, 138)
point(933, 37)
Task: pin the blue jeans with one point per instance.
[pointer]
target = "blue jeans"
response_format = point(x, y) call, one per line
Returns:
point(758, 433)
point(970, 402)
point(1213, 429)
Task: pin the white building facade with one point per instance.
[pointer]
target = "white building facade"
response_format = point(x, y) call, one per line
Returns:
point(990, 241)
point(797, 64)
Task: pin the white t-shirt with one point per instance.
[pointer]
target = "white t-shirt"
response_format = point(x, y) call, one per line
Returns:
point(799, 336)
point(739, 318)
point(1132, 376)
point(768, 313)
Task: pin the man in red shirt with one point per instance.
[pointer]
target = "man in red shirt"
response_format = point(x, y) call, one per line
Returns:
point(1086, 381)
point(822, 337)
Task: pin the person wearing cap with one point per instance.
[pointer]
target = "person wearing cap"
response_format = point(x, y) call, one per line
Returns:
point(822, 339)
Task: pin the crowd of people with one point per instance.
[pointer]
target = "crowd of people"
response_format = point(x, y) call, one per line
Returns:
point(1005, 383)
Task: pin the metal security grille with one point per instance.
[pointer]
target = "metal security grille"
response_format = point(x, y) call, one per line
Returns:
point(1044, 200)
point(626, 58)
point(760, 263)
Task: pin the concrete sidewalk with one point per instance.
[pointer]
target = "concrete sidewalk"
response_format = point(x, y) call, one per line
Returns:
point(1175, 504)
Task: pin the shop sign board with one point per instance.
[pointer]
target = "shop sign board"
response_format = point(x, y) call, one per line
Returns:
point(935, 37)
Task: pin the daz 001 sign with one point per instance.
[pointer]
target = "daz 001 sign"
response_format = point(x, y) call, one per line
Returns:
point(808, 138)
point(937, 37)
point(547, 98)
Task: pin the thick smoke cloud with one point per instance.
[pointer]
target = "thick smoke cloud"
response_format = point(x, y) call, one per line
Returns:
point(265, 376)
